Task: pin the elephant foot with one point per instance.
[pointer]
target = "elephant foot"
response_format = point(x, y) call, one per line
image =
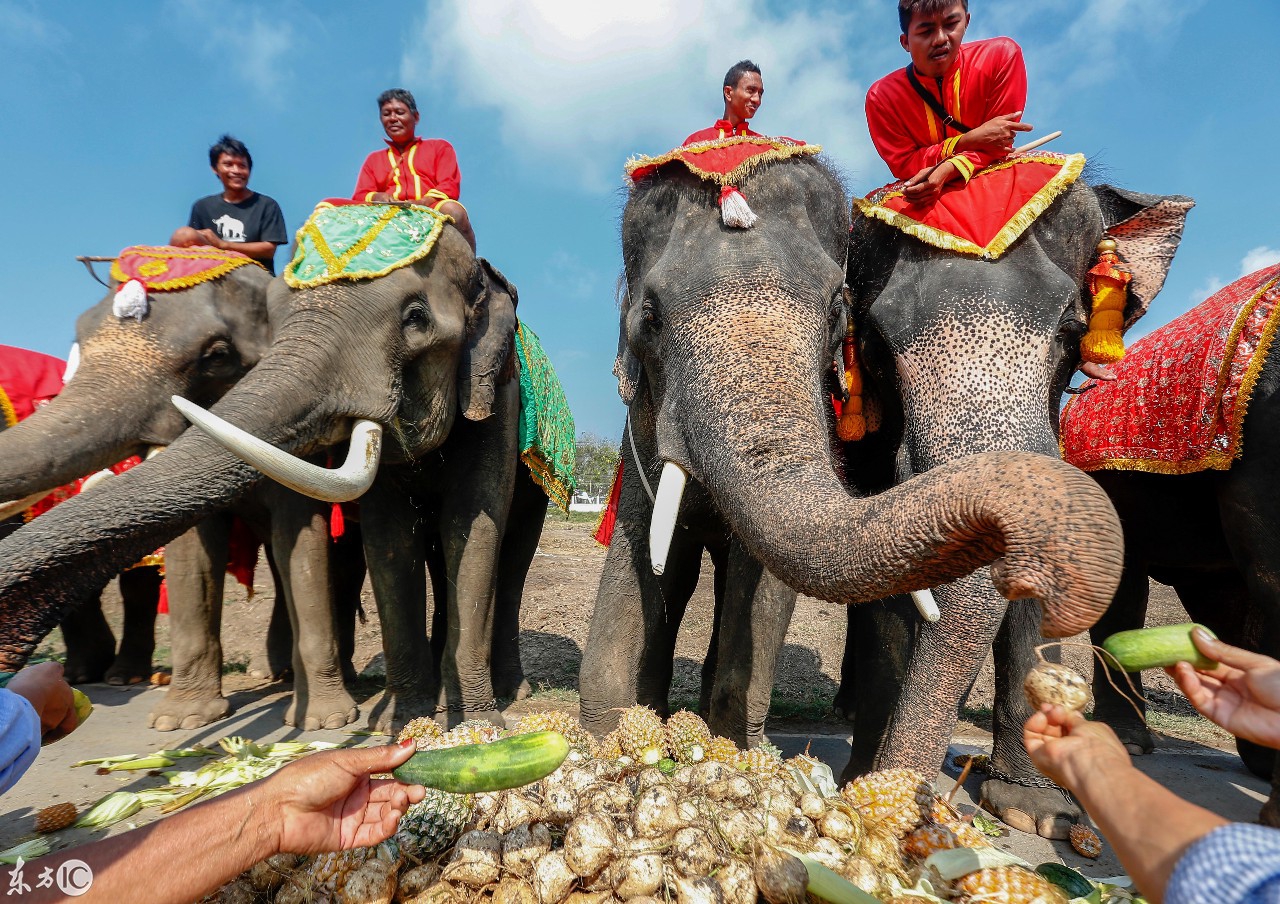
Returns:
point(1270, 813)
point(392, 710)
point(129, 670)
point(266, 669)
point(186, 712)
point(330, 711)
point(1036, 811)
point(349, 673)
point(842, 707)
point(511, 686)
point(452, 718)
point(82, 669)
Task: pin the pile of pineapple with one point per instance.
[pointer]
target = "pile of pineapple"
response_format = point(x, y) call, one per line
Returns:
point(652, 813)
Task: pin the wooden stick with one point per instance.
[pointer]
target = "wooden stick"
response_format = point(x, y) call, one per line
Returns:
point(1032, 145)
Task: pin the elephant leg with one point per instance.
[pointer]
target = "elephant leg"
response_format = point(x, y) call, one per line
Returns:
point(438, 572)
point(719, 576)
point(397, 571)
point(300, 540)
point(91, 645)
point(1113, 702)
point(844, 705)
point(1016, 791)
point(347, 571)
point(675, 587)
point(877, 652)
point(140, 591)
point(757, 613)
point(519, 545)
point(195, 568)
point(278, 664)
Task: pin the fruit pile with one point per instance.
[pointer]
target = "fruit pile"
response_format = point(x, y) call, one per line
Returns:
point(658, 812)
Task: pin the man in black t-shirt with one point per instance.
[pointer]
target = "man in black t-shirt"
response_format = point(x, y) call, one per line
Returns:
point(237, 219)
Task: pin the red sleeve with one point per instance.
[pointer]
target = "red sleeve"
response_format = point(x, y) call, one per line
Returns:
point(1001, 82)
point(892, 140)
point(367, 182)
point(446, 176)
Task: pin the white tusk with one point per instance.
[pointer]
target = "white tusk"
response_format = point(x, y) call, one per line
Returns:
point(96, 478)
point(666, 506)
point(9, 509)
point(338, 485)
point(153, 452)
point(925, 604)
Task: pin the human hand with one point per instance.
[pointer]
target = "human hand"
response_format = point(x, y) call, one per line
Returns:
point(184, 237)
point(1241, 694)
point(1097, 371)
point(210, 238)
point(380, 197)
point(44, 688)
point(996, 135)
point(927, 184)
point(328, 802)
point(1065, 747)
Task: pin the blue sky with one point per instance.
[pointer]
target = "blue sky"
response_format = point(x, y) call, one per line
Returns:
point(109, 108)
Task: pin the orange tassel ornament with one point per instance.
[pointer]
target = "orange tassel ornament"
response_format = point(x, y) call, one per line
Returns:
point(852, 425)
point(1108, 284)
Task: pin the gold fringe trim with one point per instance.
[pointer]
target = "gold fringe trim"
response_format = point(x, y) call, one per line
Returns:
point(162, 253)
point(1214, 460)
point(7, 409)
point(779, 151)
point(542, 475)
point(1008, 234)
point(326, 253)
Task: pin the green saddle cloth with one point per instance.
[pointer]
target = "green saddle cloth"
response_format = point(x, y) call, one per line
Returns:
point(548, 439)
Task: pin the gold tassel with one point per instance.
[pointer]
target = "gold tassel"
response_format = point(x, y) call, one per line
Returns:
point(1108, 284)
point(852, 425)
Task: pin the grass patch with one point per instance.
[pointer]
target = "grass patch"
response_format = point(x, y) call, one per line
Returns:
point(546, 693)
point(574, 517)
point(1187, 727)
point(814, 708)
point(235, 666)
point(977, 715)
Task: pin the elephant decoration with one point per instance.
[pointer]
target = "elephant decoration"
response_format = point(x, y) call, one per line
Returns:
point(969, 353)
point(1193, 479)
point(727, 338)
point(197, 328)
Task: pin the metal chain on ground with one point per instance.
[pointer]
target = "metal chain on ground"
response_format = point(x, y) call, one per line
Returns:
point(462, 707)
point(1038, 781)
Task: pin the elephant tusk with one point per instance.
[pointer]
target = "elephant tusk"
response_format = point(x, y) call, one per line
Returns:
point(96, 478)
point(925, 604)
point(666, 506)
point(9, 509)
point(153, 452)
point(338, 485)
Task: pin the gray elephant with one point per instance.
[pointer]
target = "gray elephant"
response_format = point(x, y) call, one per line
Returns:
point(197, 342)
point(403, 351)
point(970, 355)
point(728, 337)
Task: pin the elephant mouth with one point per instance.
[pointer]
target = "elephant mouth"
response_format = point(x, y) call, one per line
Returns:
point(342, 484)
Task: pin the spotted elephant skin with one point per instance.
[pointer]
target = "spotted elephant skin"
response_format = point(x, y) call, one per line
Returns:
point(1214, 537)
point(196, 342)
point(972, 356)
point(727, 342)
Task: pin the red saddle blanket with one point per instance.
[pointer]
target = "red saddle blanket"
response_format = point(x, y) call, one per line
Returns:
point(1180, 395)
point(986, 216)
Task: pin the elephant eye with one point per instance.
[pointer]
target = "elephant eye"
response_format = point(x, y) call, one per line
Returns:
point(415, 316)
point(649, 313)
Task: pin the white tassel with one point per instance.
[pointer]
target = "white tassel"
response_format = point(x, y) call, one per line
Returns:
point(734, 210)
point(131, 301)
point(73, 363)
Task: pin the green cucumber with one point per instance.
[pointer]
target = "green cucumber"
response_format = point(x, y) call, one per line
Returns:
point(472, 768)
point(1154, 648)
point(1070, 881)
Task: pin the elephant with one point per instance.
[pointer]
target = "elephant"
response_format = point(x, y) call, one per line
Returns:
point(726, 349)
point(406, 351)
point(197, 342)
point(967, 355)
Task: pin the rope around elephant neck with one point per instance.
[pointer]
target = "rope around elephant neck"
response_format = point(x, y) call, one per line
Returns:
point(635, 456)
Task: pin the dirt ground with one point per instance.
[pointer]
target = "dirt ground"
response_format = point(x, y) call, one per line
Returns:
point(555, 617)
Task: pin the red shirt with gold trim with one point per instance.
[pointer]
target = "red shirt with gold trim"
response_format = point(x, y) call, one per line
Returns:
point(427, 168)
point(722, 129)
point(988, 79)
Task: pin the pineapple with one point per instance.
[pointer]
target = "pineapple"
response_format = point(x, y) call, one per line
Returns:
point(472, 731)
point(1084, 839)
point(900, 799)
point(761, 761)
point(434, 823)
point(1008, 885)
point(327, 874)
point(424, 730)
point(56, 817)
point(610, 748)
point(722, 750)
point(641, 734)
point(687, 737)
point(933, 837)
point(553, 720)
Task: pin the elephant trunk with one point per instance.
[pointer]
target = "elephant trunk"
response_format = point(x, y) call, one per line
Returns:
point(759, 445)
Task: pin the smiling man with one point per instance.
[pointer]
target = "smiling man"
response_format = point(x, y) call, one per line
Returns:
point(743, 93)
point(410, 168)
point(237, 219)
point(955, 108)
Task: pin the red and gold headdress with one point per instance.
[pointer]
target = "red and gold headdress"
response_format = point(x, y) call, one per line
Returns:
point(141, 269)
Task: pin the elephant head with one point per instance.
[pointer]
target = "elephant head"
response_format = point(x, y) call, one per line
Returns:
point(727, 343)
point(194, 342)
point(405, 351)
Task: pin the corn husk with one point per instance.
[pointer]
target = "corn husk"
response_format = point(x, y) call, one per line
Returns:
point(27, 851)
point(111, 809)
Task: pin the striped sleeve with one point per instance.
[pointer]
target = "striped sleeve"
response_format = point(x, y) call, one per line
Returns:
point(1238, 863)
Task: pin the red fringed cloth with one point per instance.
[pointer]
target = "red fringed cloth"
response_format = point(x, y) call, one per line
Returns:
point(609, 517)
point(162, 268)
point(724, 161)
point(1180, 395)
point(986, 216)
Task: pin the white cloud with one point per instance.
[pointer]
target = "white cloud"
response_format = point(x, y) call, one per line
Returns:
point(579, 86)
point(1212, 284)
point(252, 45)
point(1257, 258)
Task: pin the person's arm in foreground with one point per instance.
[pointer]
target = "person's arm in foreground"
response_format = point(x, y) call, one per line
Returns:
point(324, 802)
point(1148, 825)
point(1242, 694)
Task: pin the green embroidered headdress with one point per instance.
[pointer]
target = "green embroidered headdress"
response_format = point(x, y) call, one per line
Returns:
point(361, 241)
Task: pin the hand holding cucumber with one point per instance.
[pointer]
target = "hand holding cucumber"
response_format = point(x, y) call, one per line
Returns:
point(1241, 694)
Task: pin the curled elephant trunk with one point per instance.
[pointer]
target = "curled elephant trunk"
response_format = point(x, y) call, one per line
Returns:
point(342, 484)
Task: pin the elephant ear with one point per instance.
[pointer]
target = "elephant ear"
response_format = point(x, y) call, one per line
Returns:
point(487, 356)
point(1147, 230)
point(626, 367)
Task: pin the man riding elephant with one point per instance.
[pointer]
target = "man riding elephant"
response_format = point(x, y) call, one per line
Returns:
point(743, 93)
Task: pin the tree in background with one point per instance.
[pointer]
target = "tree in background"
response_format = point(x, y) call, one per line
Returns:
point(597, 461)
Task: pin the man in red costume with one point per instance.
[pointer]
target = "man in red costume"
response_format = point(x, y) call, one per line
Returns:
point(743, 93)
point(954, 109)
point(412, 168)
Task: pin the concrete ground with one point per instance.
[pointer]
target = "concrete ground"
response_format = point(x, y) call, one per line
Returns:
point(1209, 777)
